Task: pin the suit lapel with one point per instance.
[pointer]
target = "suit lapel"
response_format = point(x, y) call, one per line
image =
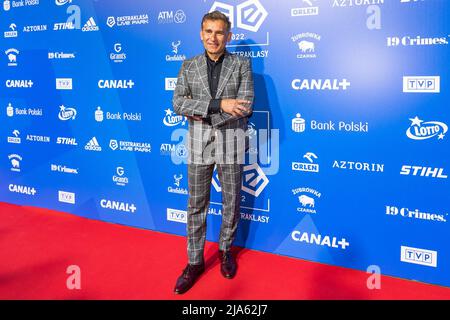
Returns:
point(225, 73)
point(202, 71)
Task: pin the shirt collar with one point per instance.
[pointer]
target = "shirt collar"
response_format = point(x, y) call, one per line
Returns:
point(218, 60)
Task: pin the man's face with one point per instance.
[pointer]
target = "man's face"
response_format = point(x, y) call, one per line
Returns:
point(214, 36)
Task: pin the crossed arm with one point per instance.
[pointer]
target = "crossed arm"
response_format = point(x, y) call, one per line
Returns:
point(230, 109)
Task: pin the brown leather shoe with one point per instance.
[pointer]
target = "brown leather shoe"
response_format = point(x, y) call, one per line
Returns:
point(228, 266)
point(188, 278)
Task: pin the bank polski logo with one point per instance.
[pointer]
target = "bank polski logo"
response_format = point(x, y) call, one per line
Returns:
point(6, 5)
point(12, 57)
point(422, 130)
point(66, 113)
point(249, 14)
point(298, 123)
point(171, 119)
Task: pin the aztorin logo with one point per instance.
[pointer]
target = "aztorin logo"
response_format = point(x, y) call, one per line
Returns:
point(250, 14)
point(422, 130)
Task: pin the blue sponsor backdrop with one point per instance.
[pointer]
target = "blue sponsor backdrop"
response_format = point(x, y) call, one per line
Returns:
point(353, 94)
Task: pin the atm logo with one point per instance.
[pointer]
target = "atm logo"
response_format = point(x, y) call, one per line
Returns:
point(419, 256)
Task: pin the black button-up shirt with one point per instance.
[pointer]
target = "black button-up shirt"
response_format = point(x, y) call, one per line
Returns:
point(214, 69)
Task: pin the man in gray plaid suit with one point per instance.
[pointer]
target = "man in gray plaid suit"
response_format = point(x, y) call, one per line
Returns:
point(215, 91)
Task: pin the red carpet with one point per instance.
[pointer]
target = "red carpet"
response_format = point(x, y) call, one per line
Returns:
point(119, 262)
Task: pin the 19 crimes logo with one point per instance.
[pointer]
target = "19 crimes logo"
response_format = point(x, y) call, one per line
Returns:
point(319, 240)
point(416, 41)
point(418, 256)
point(415, 214)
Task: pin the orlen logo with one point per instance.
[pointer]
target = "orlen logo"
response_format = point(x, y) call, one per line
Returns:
point(422, 130)
point(423, 171)
point(419, 256)
point(250, 14)
point(117, 205)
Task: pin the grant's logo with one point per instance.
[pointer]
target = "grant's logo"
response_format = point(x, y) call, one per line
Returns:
point(422, 130)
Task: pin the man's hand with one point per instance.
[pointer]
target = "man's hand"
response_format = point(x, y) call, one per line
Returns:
point(235, 107)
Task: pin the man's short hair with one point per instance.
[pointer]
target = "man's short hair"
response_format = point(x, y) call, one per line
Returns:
point(217, 15)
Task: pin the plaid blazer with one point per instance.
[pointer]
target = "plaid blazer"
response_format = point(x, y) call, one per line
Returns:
point(192, 97)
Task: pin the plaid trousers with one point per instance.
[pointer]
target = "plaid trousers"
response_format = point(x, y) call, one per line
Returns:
point(199, 183)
